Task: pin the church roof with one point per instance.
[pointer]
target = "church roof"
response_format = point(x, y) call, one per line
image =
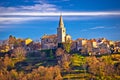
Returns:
point(49, 36)
point(79, 39)
point(61, 24)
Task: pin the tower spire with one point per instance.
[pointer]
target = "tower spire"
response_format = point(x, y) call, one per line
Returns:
point(61, 24)
point(61, 31)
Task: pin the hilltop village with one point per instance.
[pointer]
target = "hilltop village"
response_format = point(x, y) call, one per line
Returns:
point(84, 46)
point(54, 41)
point(58, 57)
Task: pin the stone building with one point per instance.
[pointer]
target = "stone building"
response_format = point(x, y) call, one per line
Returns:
point(49, 41)
point(79, 44)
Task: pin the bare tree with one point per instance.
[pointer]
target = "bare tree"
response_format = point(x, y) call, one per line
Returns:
point(59, 52)
point(20, 53)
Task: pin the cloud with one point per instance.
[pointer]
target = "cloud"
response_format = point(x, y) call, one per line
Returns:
point(10, 20)
point(8, 14)
point(42, 10)
point(17, 20)
point(22, 19)
point(98, 27)
point(103, 27)
point(18, 17)
point(57, 13)
point(41, 7)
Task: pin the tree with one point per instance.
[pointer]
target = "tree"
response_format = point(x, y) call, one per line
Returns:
point(14, 74)
point(51, 54)
point(45, 73)
point(100, 69)
point(67, 46)
point(64, 61)
point(2, 66)
point(20, 53)
point(92, 63)
point(59, 52)
point(18, 43)
point(11, 39)
point(117, 68)
point(8, 62)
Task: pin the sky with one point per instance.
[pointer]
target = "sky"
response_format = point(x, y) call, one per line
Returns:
point(82, 18)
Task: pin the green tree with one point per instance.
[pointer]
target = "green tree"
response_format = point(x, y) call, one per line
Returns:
point(67, 46)
point(51, 54)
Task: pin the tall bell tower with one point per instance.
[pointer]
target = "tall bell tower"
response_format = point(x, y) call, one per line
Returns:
point(61, 31)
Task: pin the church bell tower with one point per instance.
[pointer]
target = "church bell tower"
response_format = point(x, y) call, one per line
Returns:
point(61, 31)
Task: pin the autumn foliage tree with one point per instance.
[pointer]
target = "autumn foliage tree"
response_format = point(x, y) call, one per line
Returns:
point(64, 61)
point(11, 39)
point(19, 53)
point(63, 58)
point(100, 68)
point(44, 73)
point(59, 52)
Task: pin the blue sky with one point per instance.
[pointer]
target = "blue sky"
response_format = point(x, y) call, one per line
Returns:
point(82, 18)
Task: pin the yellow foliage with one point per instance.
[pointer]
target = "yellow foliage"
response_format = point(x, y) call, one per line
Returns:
point(6, 49)
point(2, 51)
point(14, 74)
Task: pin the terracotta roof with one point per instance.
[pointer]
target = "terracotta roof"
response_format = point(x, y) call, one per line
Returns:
point(79, 39)
point(49, 36)
point(73, 41)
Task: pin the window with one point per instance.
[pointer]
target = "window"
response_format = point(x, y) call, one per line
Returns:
point(46, 40)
